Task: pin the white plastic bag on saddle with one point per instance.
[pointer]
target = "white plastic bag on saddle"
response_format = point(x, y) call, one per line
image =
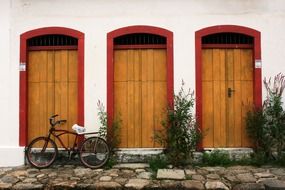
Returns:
point(78, 129)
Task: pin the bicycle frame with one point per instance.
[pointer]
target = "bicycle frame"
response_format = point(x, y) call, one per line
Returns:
point(57, 133)
point(78, 137)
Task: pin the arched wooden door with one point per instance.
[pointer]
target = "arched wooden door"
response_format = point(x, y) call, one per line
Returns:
point(52, 84)
point(227, 89)
point(140, 82)
point(140, 94)
point(140, 90)
point(51, 76)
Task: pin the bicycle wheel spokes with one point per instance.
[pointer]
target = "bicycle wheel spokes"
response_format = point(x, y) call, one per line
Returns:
point(94, 152)
point(41, 152)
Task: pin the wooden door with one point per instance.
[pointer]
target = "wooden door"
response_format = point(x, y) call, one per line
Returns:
point(227, 95)
point(52, 89)
point(140, 95)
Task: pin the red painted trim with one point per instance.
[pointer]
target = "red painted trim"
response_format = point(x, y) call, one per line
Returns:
point(227, 46)
point(80, 98)
point(23, 106)
point(198, 83)
point(198, 59)
point(39, 48)
point(110, 66)
point(23, 74)
point(147, 46)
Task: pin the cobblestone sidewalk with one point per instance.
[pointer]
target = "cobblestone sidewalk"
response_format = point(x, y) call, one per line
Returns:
point(139, 176)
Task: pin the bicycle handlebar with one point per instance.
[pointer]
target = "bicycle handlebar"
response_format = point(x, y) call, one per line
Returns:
point(61, 121)
point(52, 123)
point(53, 116)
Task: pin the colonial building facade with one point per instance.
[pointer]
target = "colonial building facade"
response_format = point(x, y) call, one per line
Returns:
point(61, 57)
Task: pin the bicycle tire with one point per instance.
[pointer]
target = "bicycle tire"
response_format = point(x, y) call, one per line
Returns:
point(94, 152)
point(41, 152)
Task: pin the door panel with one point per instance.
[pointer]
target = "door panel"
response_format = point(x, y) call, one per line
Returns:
point(52, 89)
point(139, 94)
point(224, 113)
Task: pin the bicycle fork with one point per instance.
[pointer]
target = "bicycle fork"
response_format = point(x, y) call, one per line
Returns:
point(46, 144)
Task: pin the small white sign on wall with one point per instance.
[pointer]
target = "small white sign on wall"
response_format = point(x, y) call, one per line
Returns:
point(258, 63)
point(22, 67)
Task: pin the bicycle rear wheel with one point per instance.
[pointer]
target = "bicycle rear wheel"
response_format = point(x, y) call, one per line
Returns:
point(94, 152)
point(41, 152)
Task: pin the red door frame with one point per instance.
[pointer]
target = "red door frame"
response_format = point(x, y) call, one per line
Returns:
point(23, 74)
point(257, 91)
point(110, 64)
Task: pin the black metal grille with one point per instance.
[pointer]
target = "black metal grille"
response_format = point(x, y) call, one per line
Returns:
point(52, 40)
point(227, 38)
point(139, 39)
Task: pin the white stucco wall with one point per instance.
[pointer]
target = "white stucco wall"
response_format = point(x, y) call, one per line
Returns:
point(10, 153)
point(96, 18)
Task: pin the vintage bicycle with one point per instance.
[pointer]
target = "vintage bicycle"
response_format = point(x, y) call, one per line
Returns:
point(43, 151)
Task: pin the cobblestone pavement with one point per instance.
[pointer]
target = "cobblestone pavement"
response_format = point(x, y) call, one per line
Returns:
point(139, 176)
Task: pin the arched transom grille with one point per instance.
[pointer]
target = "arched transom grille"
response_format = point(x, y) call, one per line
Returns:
point(52, 40)
point(227, 38)
point(140, 39)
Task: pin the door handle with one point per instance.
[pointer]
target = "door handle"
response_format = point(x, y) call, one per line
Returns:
point(230, 91)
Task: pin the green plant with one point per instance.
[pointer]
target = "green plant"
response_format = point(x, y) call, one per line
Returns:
point(274, 113)
point(188, 177)
point(244, 161)
point(281, 160)
point(266, 126)
point(180, 134)
point(111, 162)
point(158, 162)
point(258, 132)
point(259, 158)
point(216, 158)
point(109, 132)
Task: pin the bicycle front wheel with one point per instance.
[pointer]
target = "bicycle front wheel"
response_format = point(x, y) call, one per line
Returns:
point(94, 152)
point(41, 152)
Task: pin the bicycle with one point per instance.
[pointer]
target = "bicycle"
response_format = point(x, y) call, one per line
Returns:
point(43, 151)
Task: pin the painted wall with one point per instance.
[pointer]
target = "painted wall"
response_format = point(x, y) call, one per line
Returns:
point(96, 18)
point(11, 153)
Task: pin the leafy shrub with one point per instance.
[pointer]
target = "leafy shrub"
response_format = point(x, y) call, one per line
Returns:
point(112, 136)
point(274, 113)
point(256, 129)
point(266, 126)
point(180, 134)
point(260, 158)
point(216, 158)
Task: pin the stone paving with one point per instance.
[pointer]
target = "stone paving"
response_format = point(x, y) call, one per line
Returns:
point(139, 176)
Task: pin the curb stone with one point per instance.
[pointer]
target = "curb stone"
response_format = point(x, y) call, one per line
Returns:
point(170, 174)
point(274, 184)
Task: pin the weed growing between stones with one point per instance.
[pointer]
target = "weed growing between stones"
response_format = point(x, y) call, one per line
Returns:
point(216, 158)
point(223, 158)
point(111, 162)
point(158, 162)
point(266, 125)
point(180, 134)
point(188, 177)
